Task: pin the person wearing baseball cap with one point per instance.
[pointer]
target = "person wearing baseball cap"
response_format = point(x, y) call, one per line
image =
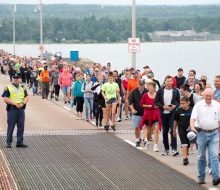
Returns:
point(16, 97)
point(180, 78)
point(136, 109)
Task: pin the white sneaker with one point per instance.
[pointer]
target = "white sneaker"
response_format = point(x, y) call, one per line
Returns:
point(156, 149)
point(175, 153)
point(146, 144)
point(127, 117)
point(118, 119)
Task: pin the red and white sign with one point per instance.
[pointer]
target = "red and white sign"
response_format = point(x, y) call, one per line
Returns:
point(133, 45)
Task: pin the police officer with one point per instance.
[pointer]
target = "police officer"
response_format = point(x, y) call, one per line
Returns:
point(16, 97)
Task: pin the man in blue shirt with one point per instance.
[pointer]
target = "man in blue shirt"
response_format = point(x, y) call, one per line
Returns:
point(217, 86)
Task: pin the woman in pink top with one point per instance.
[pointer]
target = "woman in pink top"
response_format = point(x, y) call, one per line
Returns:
point(65, 81)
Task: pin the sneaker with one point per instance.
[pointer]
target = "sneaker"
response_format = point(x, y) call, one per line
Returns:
point(106, 127)
point(216, 181)
point(165, 153)
point(118, 119)
point(21, 145)
point(201, 182)
point(65, 102)
point(113, 127)
point(96, 124)
point(100, 125)
point(185, 161)
point(175, 153)
point(156, 149)
point(146, 144)
point(68, 102)
point(138, 144)
point(210, 171)
point(127, 117)
point(8, 146)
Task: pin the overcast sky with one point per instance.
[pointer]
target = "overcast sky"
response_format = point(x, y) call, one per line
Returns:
point(118, 2)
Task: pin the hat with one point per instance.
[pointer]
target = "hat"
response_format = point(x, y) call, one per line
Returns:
point(192, 136)
point(146, 67)
point(180, 69)
point(150, 74)
point(141, 82)
point(16, 76)
point(135, 72)
point(96, 70)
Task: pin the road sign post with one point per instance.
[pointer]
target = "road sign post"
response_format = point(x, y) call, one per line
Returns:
point(133, 45)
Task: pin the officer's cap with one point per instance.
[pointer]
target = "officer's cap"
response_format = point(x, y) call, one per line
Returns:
point(16, 76)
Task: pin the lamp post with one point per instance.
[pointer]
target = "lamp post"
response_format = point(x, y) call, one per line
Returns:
point(134, 31)
point(14, 11)
point(41, 31)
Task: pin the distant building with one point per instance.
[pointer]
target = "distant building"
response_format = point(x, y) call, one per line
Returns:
point(186, 35)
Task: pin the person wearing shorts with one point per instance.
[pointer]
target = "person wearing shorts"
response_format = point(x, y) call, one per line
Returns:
point(110, 92)
point(182, 120)
point(65, 81)
point(136, 109)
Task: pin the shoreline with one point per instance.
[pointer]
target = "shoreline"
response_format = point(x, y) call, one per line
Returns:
point(109, 43)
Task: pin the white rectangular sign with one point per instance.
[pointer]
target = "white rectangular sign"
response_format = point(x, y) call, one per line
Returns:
point(133, 45)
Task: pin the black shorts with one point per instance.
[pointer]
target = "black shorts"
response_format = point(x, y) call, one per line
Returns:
point(183, 137)
point(154, 122)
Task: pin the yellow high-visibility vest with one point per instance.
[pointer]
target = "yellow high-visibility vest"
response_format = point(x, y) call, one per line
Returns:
point(16, 94)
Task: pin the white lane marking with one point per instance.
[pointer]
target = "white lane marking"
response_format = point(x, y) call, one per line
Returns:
point(212, 188)
point(92, 122)
point(66, 108)
point(133, 144)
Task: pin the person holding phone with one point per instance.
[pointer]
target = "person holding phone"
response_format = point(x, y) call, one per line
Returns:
point(168, 99)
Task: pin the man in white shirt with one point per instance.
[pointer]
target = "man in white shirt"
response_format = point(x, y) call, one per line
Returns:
point(205, 119)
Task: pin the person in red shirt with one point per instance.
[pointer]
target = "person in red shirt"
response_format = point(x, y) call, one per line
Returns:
point(125, 85)
point(151, 118)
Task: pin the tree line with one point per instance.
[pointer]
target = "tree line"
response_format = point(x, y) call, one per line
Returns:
point(61, 28)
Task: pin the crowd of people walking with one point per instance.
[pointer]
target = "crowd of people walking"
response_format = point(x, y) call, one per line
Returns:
point(109, 96)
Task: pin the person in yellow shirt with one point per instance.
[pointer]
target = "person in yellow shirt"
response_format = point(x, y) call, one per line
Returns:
point(16, 98)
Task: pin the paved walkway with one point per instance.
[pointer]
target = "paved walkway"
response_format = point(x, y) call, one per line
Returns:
point(46, 118)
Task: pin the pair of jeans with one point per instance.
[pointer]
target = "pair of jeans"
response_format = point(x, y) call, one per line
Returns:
point(45, 89)
point(15, 117)
point(167, 125)
point(34, 85)
point(211, 142)
point(88, 104)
